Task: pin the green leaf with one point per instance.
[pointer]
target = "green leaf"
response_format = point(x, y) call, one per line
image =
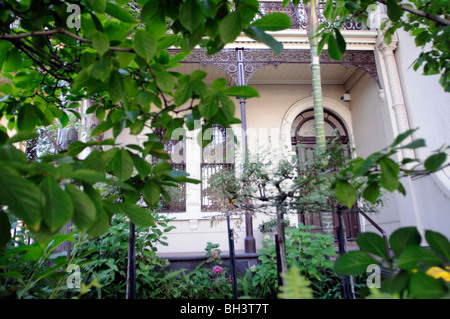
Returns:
point(162, 166)
point(89, 176)
point(261, 36)
point(228, 106)
point(297, 286)
point(58, 240)
point(389, 174)
point(84, 213)
point(13, 61)
point(403, 237)
point(27, 118)
point(191, 15)
point(57, 207)
point(372, 192)
point(354, 263)
point(119, 13)
point(102, 127)
point(350, 5)
point(439, 243)
point(142, 166)
point(219, 84)
point(423, 286)
point(138, 215)
point(276, 21)
point(230, 27)
point(123, 165)
point(362, 166)
point(145, 98)
point(34, 253)
point(102, 70)
point(393, 10)
point(372, 243)
point(345, 193)
point(144, 45)
point(341, 44)
point(422, 38)
point(22, 136)
point(182, 93)
point(412, 257)
point(97, 5)
point(209, 106)
point(333, 48)
point(165, 81)
point(22, 197)
point(76, 148)
point(5, 230)
point(435, 161)
point(100, 42)
point(9, 153)
point(241, 91)
point(151, 193)
point(415, 144)
point(396, 283)
point(101, 223)
point(403, 136)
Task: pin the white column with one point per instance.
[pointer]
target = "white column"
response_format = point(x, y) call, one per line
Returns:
point(193, 160)
point(396, 100)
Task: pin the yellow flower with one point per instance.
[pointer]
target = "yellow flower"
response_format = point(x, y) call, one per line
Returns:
point(438, 272)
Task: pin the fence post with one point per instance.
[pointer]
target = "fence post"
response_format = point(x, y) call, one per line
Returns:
point(278, 253)
point(131, 271)
point(347, 281)
point(232, 259)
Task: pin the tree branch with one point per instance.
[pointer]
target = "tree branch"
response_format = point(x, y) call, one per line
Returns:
point(420, 13)
point(12, 37)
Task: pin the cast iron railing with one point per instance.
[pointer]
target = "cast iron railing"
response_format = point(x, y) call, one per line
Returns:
point(298, 14)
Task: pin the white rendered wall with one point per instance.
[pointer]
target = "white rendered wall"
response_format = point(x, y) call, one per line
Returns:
point(428, 108)
point(372, 132)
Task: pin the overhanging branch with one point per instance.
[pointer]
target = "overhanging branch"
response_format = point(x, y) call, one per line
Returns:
point(441, 21)
point(46, 33)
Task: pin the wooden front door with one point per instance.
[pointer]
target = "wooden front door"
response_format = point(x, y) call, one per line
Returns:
point(304, 140)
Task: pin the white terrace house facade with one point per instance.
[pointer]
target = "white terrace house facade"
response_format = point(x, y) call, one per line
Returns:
point(370, 96)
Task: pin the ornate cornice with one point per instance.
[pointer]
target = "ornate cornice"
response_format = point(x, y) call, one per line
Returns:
point(252, 60)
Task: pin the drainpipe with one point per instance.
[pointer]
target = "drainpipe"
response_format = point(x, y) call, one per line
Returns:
point(249, 241)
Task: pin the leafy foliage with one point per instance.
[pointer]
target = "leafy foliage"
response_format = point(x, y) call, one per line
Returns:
point(36, 270)
point(309, 254)
point(114, 54)
point(427, 21)
point(105, 258)
point(416, 272)
point(297, 286)
point(379, 171)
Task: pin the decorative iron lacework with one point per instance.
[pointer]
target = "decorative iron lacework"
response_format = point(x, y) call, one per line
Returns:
point(298, 14)
point(242, 63)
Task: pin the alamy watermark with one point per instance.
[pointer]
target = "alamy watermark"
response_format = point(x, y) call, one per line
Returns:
point(374, 279)
point(73, 20)
point(74, 279)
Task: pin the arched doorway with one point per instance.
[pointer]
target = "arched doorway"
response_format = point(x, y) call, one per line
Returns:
point(303, 140)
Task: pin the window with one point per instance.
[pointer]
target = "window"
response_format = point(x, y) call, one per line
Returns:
point(303, 133)
point(216, 157)
point(177, 153)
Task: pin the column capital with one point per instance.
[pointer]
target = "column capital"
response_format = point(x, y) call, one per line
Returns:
point(386, 48)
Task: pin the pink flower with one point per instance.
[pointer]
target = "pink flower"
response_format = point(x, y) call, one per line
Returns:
point(217, 269)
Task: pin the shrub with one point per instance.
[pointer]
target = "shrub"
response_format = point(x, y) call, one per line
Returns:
point(106, 259)
point(310, 252)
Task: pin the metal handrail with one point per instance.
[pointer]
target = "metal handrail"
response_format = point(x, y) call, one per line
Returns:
point(381, 230)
